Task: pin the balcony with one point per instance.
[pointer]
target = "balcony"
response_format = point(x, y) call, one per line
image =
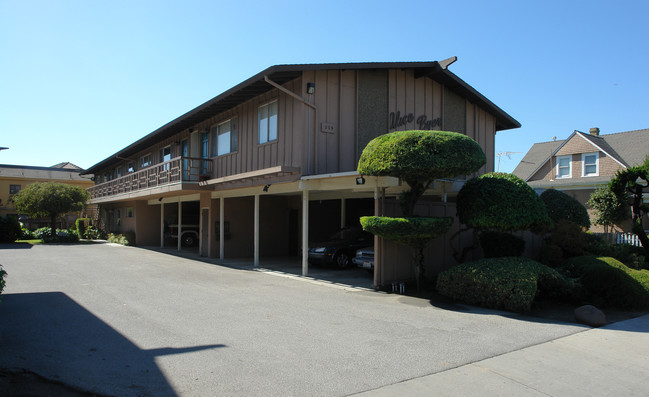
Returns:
point(173, 172)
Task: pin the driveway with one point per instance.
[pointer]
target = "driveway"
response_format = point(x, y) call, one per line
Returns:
point(127, 321)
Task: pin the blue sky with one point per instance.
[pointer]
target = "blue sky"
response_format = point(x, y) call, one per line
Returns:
point(80, 80)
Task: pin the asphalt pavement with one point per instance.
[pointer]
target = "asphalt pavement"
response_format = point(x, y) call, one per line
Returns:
point(127, 321)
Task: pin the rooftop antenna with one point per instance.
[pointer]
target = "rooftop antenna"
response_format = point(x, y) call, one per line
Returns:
point(4, 148)
point(508, 154)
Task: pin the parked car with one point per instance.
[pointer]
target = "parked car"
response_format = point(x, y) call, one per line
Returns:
point(339, 249)
point(189, 236)
point(365, 258)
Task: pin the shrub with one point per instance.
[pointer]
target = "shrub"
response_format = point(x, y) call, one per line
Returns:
point(127, 238)
point(608, 282)
point(41, 232)
point(81, 225)
point(92, 233)
point(509, 283)
point(502, 202)
point(561, 206)
point(62, 236)
point(3, 274)
point(500, 244)
point(9, 229)
point(405, 230)
point(628, 254)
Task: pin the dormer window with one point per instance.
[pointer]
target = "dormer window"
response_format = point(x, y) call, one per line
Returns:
point(564, 167)
point(590, 164)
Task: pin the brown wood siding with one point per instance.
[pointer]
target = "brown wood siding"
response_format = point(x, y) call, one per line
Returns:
point(577, 145)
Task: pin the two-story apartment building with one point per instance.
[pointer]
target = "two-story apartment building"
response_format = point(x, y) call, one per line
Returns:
point(583, 162)
point(269, 165)
point(14, 178)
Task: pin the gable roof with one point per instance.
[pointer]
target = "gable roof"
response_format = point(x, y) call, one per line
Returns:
point(627, 148)
point(33, 172)
point(281, 74)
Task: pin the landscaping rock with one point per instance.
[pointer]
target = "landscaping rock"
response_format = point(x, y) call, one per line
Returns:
point(590, 315)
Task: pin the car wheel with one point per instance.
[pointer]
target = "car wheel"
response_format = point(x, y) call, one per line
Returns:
point(189, 240)
point(342, 260)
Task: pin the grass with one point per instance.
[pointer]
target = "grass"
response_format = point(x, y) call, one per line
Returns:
point(35, 241)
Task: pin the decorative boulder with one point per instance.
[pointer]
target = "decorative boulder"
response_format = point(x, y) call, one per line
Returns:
point(590, 315)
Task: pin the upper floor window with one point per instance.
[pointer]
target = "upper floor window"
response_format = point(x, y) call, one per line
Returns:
point(118, 172)
point(165, 154)
point(13, 189)
point(224, 137)
point(268, 122)
point(130, 167)
point(590, 164)
point(564, 167)
point(145, 161)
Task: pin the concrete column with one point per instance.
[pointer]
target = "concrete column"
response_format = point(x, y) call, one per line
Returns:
point(222, 229)
point(256, 237)
point(305, 232)
point(343, 215)
point(377, 241)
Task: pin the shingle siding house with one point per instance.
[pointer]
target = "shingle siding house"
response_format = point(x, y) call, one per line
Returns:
point(583, 162)
point(269, 165)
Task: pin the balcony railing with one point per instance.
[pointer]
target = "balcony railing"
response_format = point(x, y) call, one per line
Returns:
point(177, 170)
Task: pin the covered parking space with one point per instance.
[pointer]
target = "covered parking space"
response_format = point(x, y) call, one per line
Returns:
point(266, 224)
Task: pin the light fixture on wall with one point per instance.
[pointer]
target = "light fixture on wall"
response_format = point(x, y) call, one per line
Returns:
point(266, 187)
point(160, 199)
point(360, 180)
point(310, 88)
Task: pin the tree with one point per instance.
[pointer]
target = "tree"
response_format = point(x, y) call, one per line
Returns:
point(608, 210)
point(50, 200)
point(418, 158)
point(630, 184)
point(499, 202)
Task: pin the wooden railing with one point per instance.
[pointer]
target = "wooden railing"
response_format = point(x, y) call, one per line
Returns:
point(177, 170)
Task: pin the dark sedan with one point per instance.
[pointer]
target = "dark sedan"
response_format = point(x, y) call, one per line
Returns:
point(340, 248)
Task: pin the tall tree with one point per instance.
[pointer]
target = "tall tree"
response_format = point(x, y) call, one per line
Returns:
point(50, 200)
point(418, 158)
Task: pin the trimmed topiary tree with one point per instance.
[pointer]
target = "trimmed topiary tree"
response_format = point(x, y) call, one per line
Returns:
point(501, 202)
point(418, 158)
point(561, 206)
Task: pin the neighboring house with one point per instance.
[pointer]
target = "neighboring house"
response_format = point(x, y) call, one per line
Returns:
point(269, 165)
point(13, 178)
point(583, 162)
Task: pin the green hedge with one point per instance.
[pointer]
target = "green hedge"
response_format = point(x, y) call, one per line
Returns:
point(509, 283)
point(608, 282)
point(10, 230)
point(82, 224)
point(406, 230)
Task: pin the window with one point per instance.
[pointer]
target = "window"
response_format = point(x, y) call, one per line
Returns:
point(590, 164)
point(224, 138)
point(268, 122)
point(118, 172)
point(145, 161)
point(130, 167)
point(129, 212)
point(13, 189)
point(165, 154)
point(564, 167)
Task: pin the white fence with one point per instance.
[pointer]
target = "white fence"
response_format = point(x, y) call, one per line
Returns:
point(628, 238)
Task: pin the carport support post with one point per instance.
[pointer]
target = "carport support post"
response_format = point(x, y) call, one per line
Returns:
point(343, 218)
point(222, 229)
point(180, 217)
point(305, 232)
point(162, 224)
point(256, 260)
point(378, 268)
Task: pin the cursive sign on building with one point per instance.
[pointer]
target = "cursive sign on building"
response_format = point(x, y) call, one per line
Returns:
point(422, 122)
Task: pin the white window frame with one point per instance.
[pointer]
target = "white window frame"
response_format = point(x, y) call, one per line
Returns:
point(583, 164)
point(267, 124)
point(227, 144)
point(558, 163)
point(130, 168)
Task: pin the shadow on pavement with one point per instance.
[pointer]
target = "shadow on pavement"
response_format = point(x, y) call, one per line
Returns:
point(16, 246)
point(53, 336)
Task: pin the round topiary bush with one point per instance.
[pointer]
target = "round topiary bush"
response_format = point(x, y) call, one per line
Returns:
point(408, 231)
point(561, 206)
point(501, 202)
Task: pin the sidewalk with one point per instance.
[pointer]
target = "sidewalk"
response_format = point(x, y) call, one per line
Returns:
point(607, 361)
